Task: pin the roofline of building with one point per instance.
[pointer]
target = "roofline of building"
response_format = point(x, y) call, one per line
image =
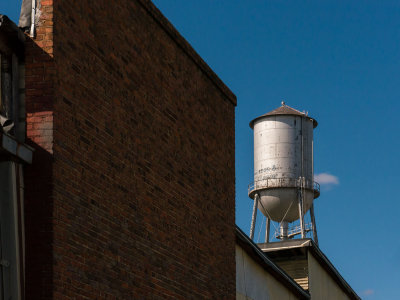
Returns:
point(331, 269)
point(16, 36)
point(11, 37)
point(255, 252)
point(321, 258)
point(187, 48)
point(13, 149)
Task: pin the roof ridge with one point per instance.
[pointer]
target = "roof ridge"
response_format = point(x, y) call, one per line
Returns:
point(300, 112)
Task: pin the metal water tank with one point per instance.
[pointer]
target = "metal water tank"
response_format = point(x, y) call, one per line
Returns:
point(283, 163)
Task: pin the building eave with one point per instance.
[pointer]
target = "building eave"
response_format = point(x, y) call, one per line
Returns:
point(11, 38)
point(319, 256)
point(10, 148)
point(255, 252)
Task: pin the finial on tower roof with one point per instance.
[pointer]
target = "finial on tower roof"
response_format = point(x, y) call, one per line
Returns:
point(283, 103)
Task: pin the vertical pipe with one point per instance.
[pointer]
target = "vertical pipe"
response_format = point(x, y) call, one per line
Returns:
point(22, 224)
point(312, 163)
point(15, 95)
point(1, 266)
point(301, 194)
point(16, 287)
point(314, 225)
point(20, 229)
point(10, 231)
point(302, 149)
point(254, 216)
point(267, 225)
point(33, 13)
point(21, 130)
point(284, 230)
point(301, 211)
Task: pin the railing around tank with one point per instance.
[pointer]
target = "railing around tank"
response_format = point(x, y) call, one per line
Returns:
point(284, 182)
point(293, 231)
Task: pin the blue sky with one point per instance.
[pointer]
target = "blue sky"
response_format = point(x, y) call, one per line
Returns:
point(340, 61)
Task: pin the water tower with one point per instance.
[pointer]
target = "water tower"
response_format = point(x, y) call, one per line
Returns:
point(284, 188)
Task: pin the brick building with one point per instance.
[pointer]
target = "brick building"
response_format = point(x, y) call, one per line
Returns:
point(117, 171)
point(131, 190)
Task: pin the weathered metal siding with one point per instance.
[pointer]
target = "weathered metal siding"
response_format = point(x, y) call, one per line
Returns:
point(297, 269)
point(278, 147)
point(321, 284)
point(253, 282)
point(282, 154)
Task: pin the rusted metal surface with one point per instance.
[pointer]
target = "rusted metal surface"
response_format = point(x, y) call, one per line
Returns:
point(280, 183)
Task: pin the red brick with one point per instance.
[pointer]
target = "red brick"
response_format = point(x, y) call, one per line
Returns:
point(131, 191)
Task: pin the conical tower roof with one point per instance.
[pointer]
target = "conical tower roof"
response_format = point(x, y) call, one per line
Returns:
point(284, 110)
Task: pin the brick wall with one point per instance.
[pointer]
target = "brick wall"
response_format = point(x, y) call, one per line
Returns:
point(40, 78)
point(138, 136)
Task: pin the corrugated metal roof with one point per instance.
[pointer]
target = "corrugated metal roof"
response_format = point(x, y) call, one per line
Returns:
point(284, 110)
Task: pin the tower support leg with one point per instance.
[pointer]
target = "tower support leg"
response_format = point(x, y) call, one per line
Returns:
point(267, 224)
point(254, 217)
point(301, 213)
point(314, 225)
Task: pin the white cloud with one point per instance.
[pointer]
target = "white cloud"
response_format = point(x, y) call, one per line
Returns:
point(326, 179)
point(368, 292)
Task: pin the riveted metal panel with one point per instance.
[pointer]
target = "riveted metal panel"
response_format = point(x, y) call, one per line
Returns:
point(283, 152)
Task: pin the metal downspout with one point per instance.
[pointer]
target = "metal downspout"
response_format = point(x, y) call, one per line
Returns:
point(302, 182)
point(33, 13)
point(21, 228)
point(15, 171)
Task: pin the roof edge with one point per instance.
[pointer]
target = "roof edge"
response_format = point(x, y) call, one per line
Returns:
point(14, 37)
point(15, 150)
point(254, 251)
point(331, 269)
point(284, 110)
point(187, 48)
point(319, 256)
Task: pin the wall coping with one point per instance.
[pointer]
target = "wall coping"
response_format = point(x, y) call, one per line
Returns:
point(187, 48)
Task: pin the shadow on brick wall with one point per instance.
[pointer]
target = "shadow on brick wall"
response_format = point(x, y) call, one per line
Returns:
point(39, 212)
